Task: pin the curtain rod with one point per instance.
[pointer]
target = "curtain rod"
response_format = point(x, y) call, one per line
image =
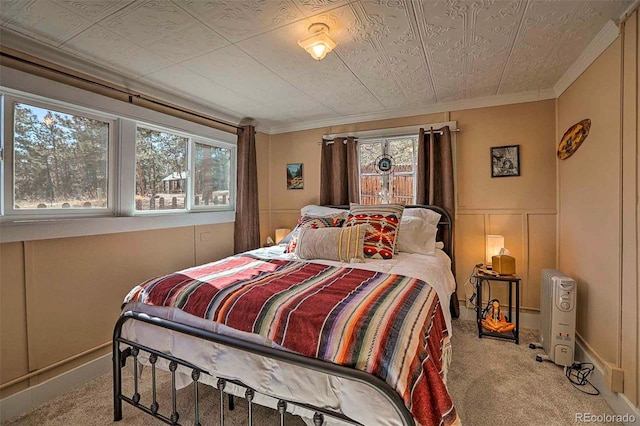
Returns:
point(116, 89)
point(330, 141)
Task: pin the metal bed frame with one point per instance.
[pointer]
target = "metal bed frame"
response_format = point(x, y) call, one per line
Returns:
point(134, 350)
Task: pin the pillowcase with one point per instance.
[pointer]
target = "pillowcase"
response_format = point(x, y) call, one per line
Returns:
point(429, 215)
point(384, 219)
point(416, 235)
point(315, 210)
point(313, 222)
point(342, 244)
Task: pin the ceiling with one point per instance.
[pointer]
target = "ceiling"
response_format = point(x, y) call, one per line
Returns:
point(240, 58)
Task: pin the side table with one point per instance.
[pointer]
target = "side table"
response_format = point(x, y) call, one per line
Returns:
point(511, 280)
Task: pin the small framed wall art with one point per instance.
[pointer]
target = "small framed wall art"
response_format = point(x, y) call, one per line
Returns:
point(295, 179)
point(505, 161)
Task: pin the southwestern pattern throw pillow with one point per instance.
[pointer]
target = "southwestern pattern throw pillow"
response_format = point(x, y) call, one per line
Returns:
point(315, 222)
point(383, 221)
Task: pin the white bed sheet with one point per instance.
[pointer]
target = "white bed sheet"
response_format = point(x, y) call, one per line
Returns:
point(271, 377)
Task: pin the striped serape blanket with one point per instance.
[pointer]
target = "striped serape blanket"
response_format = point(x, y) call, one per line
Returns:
point(388, 325)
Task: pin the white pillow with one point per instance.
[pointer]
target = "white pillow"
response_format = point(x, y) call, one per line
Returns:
point(315, 210)
point(427, 214)
point(416, 236)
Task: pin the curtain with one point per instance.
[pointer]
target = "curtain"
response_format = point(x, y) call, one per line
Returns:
point(247, 225)
point(339, 180)
point(435, 182)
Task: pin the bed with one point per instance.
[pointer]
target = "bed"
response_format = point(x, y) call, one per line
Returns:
point(337, 343)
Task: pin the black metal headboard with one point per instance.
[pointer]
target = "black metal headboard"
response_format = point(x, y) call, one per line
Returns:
point(445, 234)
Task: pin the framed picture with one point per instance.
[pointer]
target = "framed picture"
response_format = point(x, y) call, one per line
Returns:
point(295, 178)
point(505, 161)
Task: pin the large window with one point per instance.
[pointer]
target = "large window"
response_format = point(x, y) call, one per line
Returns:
point(60, 160)
point(379, 185)
point(165, 181)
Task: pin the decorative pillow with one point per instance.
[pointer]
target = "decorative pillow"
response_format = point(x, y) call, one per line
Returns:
point(315, 222)
point(342, 244)
point(416, 235)
point(427, 214)
point(315, 210)
point(384, 219)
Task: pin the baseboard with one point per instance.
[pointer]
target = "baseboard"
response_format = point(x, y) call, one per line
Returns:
point(617, 401)
point(24, 401)
point(530, 320)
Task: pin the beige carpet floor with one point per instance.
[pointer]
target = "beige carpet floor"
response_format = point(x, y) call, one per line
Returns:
point(492, 382)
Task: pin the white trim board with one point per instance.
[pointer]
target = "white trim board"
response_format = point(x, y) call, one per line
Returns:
point(24, 401)
point(619, 403)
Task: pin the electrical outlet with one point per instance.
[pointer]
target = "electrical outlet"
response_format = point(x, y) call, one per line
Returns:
point(614, 377)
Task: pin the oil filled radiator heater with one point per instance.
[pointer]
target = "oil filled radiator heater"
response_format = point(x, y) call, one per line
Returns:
point(557, 318)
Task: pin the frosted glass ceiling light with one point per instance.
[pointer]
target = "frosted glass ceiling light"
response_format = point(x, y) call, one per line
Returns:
point(318, 44)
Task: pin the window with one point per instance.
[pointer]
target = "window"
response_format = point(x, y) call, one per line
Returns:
point(161, 170)
point(212, 166)
point(164, 180)
point(60, 161)
point(396, 186)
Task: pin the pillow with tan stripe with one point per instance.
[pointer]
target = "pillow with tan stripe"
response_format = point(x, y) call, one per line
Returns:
point(342, 244)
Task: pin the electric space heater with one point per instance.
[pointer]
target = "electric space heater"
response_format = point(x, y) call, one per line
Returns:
point(557, 318)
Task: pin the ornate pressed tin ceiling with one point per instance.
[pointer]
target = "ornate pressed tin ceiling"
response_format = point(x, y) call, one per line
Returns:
point(241, 57)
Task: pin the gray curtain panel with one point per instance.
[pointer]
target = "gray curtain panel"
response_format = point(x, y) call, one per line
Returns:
point(247, 225)
point(339, 172)
point(435, 183)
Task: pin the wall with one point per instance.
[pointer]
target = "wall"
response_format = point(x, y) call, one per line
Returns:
point(61, 297)
point(597, 207)
point(520, 208)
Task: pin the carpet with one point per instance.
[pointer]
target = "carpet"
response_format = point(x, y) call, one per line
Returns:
point(492, 382)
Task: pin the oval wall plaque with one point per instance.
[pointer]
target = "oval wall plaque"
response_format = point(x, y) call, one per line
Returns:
point(573, 138)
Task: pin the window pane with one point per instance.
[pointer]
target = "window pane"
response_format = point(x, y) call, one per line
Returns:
point(402, 189)
point(60, 160)
point(212, 175)
point(370, 186)
point(161, 170)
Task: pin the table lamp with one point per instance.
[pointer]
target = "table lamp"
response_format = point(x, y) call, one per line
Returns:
point(492, 248)
point(281, 233)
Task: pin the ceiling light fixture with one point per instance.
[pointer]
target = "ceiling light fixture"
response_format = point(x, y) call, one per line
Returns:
point(318, 44)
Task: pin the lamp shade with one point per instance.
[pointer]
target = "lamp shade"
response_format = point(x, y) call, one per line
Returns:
point(319, 43)
point(494, 244)
point(281, 233)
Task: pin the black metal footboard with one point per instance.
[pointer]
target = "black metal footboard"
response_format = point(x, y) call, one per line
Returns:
point(119, 358)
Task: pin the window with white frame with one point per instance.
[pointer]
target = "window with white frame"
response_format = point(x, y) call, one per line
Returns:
point(61, 160)
point(166, 182)
point(396, 185)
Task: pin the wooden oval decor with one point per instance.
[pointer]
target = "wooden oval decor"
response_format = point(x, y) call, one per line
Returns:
point(573, 138)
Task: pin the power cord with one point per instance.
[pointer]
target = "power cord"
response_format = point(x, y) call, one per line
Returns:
point(578, 375)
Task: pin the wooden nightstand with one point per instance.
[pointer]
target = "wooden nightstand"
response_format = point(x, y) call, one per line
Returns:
point(511, 280)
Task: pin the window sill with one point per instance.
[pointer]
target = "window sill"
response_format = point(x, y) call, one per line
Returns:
point(44, 229)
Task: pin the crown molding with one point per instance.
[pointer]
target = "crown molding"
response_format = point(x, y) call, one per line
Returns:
point(607, 35)
point(481, 102)
point(629, 10)
point(59, 57)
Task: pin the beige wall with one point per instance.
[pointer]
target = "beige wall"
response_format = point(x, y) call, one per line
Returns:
point(61, 297)
point(521, 208)
point(630, 358)
point(597, 206)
